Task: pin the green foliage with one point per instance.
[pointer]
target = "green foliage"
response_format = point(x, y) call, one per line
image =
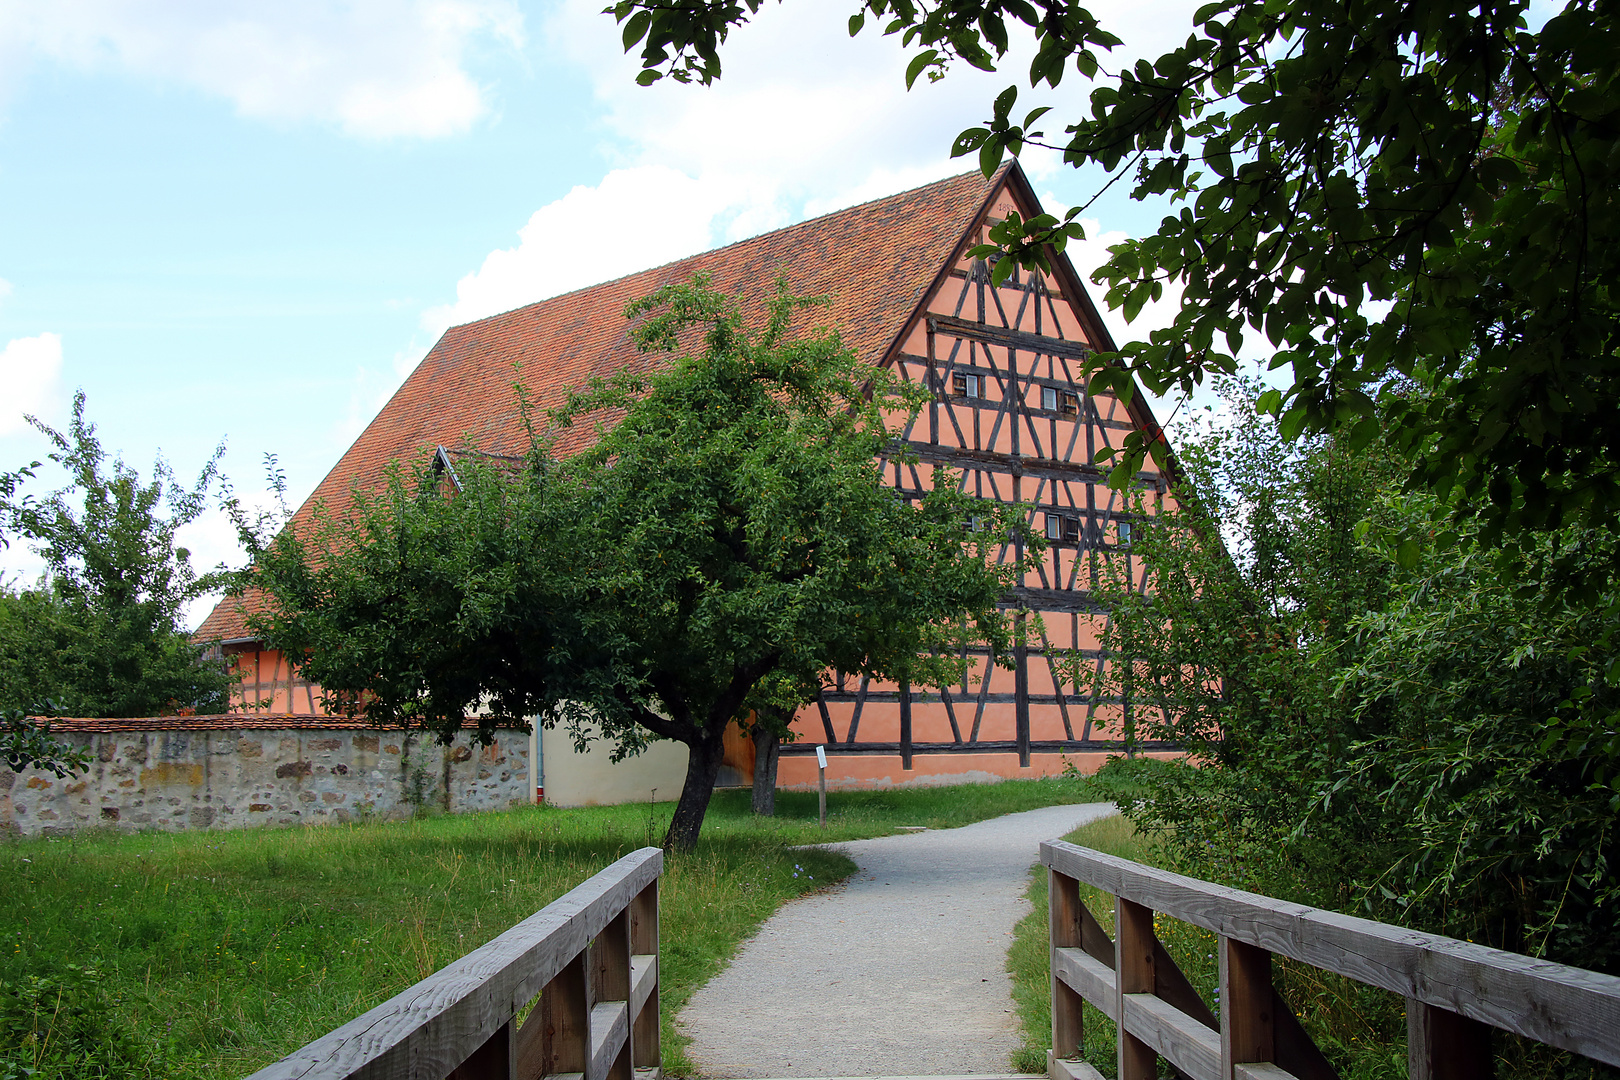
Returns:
point(1422, 732)
point(1492, 772)
point(725, 541)
point(26, 743)
point(1384, 191)
point(63, 1025)
point(101, 634)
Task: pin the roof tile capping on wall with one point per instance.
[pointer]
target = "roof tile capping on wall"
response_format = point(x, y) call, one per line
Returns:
point(226, 772)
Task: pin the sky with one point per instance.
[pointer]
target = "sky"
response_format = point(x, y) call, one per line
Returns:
point(245, 223)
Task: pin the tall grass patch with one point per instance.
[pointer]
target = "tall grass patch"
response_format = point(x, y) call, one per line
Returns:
point(214, 954)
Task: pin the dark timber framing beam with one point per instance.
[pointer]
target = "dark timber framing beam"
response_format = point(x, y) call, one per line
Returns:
point(1008, 338)
point(990, 461)
point(1039, 746)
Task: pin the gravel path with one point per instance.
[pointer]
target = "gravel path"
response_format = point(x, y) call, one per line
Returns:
point(901, 971)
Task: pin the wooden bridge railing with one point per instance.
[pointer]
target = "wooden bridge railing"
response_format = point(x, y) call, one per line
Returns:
point(1455, 991)
point(592, 958)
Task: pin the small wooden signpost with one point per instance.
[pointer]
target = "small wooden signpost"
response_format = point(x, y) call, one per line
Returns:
point(821, 763)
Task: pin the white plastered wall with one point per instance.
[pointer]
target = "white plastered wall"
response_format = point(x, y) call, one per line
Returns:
point(592, 779)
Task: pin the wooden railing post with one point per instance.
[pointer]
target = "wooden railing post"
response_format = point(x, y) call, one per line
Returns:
point(495, 1060)
point(644, 1037)
point(1068, 1031)
point(564, 1018)
point(1248, 1031)
point(610, 990)
point(1134, 950)
point(1440, 1045)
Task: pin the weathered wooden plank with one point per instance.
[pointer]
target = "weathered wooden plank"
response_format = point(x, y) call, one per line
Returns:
point(1566, 1007)
point(905, 724)
point(1171, 1033)
point(965, 457)
point(1297, 1052)
point(1060, 1069)
point(1039, 746)
point(1078, 601)
point(644, 921)
point(1070, 1069)
point(1261, 1070)
point(562, 1023)
point(889, 697)
point(643, 979)
point(610, 1031)
point(1172, 984)
point(1088, 977)
point(431, 1028)
point(530, 1045)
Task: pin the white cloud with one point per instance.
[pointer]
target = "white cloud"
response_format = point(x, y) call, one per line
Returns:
point(30, 373)
point(5, 288)
point(805, 120)
point(815, 116)
point(374, 68)
point(634, 219)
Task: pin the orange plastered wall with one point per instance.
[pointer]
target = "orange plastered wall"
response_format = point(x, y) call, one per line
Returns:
point(267, 683)
point(969, 424)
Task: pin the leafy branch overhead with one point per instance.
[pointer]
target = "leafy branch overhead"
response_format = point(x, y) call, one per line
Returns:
point(1411, 207)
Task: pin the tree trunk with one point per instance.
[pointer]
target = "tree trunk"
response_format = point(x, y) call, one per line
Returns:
point(766, 745)
point(702, 767)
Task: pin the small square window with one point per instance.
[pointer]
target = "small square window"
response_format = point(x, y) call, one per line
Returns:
point(1054, 526)
point(1124, 532)
point(1071, 403)
point(964, 384)
point(1071, 528)
point(1049, 398)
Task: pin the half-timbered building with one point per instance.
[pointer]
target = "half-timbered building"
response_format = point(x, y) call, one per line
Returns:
point(1007, 413)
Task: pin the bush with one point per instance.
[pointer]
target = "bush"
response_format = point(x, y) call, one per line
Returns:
point(1385, 716)
point(63, 1024)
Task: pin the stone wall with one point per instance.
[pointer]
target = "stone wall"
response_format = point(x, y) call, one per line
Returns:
point(231, 772)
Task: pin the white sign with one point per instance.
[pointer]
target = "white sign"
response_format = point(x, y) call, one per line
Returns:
point(821, 756)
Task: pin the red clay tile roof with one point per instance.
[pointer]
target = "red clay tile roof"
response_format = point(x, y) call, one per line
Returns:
point(876, 261)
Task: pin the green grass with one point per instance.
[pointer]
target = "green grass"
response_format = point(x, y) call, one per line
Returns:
point(212, 954)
